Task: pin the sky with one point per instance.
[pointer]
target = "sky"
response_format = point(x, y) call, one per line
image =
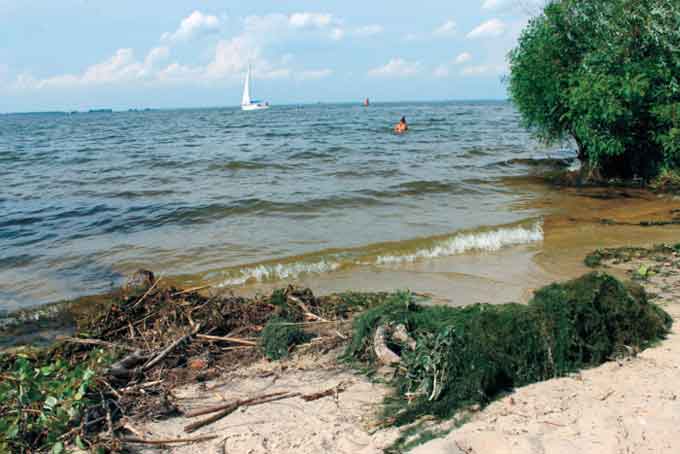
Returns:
point(83, 54)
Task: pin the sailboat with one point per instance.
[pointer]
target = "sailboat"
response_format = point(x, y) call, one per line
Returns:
point(246, 102)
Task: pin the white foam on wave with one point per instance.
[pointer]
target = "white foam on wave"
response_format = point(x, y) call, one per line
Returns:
point(262, 273)
point(468, 242)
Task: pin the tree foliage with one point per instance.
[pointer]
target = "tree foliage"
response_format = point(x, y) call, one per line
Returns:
point(607, 74)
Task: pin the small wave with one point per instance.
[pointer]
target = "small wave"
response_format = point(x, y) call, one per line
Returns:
point(493, 240)
point(245, 165)
point(309, 155)
point(263, 273)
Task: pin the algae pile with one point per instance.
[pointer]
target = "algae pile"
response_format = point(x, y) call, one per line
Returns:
point(456, 358)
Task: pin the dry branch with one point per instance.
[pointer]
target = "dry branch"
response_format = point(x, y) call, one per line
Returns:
point(229, 408)
point(168, 349)
point(167, 441)
point(234, 340)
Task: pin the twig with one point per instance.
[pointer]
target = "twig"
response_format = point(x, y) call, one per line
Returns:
point(78, 340)
point(113, 391)
point(147, 292)
point(189, 290)
point(234, 340)
point(229, 409)
point(140, 386)
point(606, 396)
point(317, 322)
point(305, 309)
point(213, 409)
point(168, 441)
point(127, 425)
point(334, 391)
point(241, 347)
point(221, 447)
point(553, 423)
point(168, 349)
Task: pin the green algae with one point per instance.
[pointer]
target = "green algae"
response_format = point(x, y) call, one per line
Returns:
point(468, 356)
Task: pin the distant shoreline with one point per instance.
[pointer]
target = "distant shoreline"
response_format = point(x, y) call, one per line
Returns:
point(236, 106)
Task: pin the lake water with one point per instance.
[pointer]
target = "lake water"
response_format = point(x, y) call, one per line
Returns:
point(235, 198)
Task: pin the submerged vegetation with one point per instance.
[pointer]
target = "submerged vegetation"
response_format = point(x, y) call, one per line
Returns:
point(467, 356)
point(604, 73)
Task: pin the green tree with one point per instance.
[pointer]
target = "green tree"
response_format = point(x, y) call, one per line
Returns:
point(607, 74)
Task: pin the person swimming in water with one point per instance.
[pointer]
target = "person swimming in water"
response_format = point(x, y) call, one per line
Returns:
point(401, 127)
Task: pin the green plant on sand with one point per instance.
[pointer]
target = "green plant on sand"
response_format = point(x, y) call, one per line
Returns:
point(43, 400)
point(466, 356)
point(279, 336)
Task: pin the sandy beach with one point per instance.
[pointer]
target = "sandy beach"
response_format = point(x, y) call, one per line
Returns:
point(624, 406)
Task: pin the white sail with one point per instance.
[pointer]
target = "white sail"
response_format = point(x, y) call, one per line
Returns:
point(246, 90)
point(247, 103)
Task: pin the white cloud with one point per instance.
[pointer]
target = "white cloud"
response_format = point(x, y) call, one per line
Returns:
point(120, 67)
point(155, 56)
point(448, 28)
point(310, 20)
point(192, 25)
point(228, 62)
point(411, 37)
point(278, 26)
point(494, 5)
point(179, 73)
point(369, 30)
point(441, 71)
point(231, 57)
point(314, 74)
point(489, 29)
point(396, 67)
point(462, 58)
point(483, 70)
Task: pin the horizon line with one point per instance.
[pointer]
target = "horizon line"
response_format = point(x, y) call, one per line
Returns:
point(289, 104)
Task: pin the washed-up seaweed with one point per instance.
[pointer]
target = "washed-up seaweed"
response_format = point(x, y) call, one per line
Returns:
point(467, 356)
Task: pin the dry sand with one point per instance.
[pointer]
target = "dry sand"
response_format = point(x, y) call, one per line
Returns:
point(334, 424)
point(631, 405)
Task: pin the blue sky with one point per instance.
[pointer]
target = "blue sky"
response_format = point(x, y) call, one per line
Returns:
point(81, 54)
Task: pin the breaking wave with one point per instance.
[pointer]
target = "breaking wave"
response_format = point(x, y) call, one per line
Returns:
point(279, 271)
point(321, 263)
point(468, 242)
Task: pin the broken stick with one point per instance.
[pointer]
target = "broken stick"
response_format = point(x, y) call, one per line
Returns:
point(167, 441)
point(232, 407)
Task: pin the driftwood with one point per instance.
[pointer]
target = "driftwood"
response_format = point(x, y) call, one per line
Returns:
point(229, 408)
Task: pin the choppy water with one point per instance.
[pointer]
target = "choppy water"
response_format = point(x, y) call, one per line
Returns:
point(234, 197)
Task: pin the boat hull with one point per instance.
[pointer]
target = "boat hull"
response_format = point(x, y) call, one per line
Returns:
point(254, 106)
